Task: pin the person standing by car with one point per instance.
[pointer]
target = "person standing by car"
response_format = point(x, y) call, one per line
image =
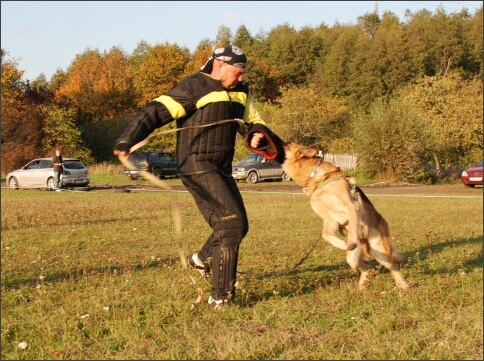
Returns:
point(57, 163)
point(205, 154)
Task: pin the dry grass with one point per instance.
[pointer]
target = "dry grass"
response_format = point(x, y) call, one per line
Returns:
point(97, 275)
point(106, 168)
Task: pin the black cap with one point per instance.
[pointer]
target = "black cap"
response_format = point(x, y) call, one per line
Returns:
point(231, 54)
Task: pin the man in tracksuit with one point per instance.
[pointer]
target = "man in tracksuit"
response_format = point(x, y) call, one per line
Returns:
point(205, 156)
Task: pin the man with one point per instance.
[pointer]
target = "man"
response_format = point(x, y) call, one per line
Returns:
point(205, 156)
point(57, 163)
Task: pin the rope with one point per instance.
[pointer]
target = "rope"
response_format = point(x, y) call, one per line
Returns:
point(297, 264)
point(176, 220)
point(143, 142)
point(307, 254)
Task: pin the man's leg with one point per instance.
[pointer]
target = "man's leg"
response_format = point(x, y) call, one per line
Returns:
point(56, 180)
point(219, 200)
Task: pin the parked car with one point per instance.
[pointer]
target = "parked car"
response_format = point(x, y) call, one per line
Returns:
point(162, 164)
point(39, 173)
point(472, 176)
point(255, 168)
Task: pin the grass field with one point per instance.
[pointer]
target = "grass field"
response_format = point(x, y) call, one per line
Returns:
point(97, 275)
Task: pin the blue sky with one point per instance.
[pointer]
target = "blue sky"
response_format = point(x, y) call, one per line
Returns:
point(46, 35)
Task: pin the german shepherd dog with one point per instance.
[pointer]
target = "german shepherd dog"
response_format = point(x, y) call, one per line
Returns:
point(344, 207)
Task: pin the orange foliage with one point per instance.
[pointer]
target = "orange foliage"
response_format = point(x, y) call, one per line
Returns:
point(160, 69)
point(98, 84)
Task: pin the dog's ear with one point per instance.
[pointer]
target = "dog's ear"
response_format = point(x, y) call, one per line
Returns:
point(292, 150)
point(310, 151)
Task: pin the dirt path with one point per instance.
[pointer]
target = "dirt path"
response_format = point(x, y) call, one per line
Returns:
point(375, 188)
point(369, 189)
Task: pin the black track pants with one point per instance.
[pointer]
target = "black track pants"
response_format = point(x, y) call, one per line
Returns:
point(220, 202)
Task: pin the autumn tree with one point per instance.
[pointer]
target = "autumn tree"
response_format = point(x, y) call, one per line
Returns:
point(59, 130)
point(265, 80)
point(98, 85)
point(453, 111)
point(101, 136)
point(332, 72)
point(20, 138)
point(224, 37)
point(242, 38)
point(306, 82)
point(440, 42)
point(56, 81)
point(38, 90)
point(293, 52)
point(161, 67)
point(391, 141)
point(470, 59)
point(321, 123)
point(380, 62)
point(370, 22)
point(201, 54)
point(139, 54)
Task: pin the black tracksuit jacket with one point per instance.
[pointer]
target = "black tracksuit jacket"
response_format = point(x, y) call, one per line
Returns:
point(197, 100)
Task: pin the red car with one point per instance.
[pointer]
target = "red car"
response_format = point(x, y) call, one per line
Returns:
point(472, 176)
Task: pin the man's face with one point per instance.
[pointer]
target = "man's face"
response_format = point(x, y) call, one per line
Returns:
point(231, 75)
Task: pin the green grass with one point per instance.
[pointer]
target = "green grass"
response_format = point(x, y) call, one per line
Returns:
point(97, 275)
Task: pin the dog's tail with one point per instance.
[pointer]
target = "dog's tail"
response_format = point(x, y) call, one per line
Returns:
point(399, 257)
point(357, 192)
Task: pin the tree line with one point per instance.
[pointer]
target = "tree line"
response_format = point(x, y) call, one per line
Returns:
point(405, 96)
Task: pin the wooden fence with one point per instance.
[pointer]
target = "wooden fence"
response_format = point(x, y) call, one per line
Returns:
point(346, 162)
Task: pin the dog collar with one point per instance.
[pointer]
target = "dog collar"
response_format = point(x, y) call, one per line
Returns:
point(313, 172)
point(329, 180)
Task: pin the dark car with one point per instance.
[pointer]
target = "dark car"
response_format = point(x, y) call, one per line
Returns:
point(39, 173)
point(472, 176)
point(255, 168)
point(160, 163)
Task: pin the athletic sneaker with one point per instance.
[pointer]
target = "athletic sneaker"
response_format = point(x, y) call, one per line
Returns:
point(212, 302)
point(202, 267)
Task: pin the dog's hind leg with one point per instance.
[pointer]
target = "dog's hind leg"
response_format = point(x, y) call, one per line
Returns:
point(365, 278)
point(356, 260)
point(389, 257)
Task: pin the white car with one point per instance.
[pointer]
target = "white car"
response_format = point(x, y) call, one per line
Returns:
point(39, 173)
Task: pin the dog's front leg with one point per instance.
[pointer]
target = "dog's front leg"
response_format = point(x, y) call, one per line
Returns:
point(330, 229)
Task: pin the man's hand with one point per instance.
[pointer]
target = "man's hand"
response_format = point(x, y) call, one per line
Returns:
point(120, 153)
point(256, 138)
point(121, 149)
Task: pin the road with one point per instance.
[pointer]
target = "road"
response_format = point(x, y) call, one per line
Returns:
point(375, 189)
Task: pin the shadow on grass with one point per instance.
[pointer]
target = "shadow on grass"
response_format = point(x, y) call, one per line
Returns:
point(297, 282)
point(78, 273)
point(12, 223)
point(423, 253)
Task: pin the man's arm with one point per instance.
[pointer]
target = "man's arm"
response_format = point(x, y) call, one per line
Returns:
point(252, 116)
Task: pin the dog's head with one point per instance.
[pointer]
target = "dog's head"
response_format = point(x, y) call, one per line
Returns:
point(294, 151)
point(305, 163)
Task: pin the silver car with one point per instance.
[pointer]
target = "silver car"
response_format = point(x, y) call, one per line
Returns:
point(39, 173)
point(255, 168)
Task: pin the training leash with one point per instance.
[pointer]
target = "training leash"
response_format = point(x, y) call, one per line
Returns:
point(143, 142)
